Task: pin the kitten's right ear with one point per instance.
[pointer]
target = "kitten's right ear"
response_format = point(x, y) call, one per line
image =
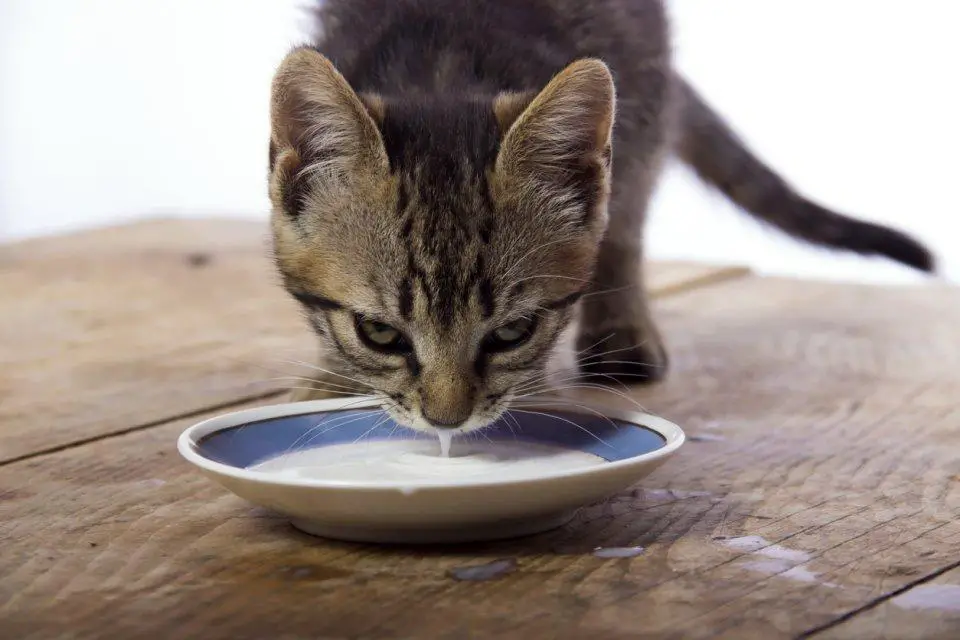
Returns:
point(320, 129)
point(557, 145)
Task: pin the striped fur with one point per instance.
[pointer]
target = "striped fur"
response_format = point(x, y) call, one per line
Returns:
point(449, 168)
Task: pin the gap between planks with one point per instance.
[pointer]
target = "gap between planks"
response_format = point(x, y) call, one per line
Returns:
point(159, 422)
point(851, 616)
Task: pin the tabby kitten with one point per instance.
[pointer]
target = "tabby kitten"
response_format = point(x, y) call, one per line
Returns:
point(454, 181)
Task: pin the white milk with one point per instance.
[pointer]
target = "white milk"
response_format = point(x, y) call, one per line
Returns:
point(417, 462)
point(446, 437)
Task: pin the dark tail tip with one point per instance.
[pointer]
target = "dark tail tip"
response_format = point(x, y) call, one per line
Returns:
point(719, 157)
point(871, 239)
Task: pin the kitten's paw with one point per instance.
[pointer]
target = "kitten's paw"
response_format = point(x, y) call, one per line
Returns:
point(629, 356)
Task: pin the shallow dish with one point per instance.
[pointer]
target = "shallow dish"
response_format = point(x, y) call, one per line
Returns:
point(291, 458)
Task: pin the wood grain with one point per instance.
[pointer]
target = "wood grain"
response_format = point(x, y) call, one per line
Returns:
point(928, 611)
point(126, 326)
point(669, 278)
point(821, 478)
point(825, 417)
point(118, 328)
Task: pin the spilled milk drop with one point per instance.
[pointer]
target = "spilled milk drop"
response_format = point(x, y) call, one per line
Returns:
point(488, 571)
point(446, 437)
point(618, 552)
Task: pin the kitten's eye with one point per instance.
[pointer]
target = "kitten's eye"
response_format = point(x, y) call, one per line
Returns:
point(381, 336)
point(510, 335)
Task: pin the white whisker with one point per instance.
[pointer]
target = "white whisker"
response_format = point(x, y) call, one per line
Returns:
point(326, 385)
point(314, 367)
point(564, 403)
point(332, 391)
point(595, 344)
point(312, 429)
point(382, 420)
point(551, 276)
point(601, 292)
point(571, 422)
point(587, 385)
point(602, 354)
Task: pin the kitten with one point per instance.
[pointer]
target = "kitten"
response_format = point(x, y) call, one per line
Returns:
point(455, 181)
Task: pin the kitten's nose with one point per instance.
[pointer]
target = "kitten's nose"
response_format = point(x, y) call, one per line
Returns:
point(446, 401)
point(442, 423)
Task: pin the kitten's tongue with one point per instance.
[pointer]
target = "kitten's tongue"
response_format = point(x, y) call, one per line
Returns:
point(445, 438)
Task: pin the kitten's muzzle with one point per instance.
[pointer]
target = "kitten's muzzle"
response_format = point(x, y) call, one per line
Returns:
point(446, 401)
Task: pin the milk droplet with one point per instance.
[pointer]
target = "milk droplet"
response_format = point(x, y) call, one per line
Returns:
point(488, 571)
point(617, 552)
point(931, 597)
point(445, 438)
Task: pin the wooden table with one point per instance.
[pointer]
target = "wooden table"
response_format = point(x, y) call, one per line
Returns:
point(819, 495)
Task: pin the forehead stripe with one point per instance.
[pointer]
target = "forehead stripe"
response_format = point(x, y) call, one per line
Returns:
point(487, 303)
point(316, 302)
point(406, 298)
point(565, 302)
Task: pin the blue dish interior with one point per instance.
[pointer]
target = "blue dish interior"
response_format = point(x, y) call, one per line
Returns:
point(248, 444)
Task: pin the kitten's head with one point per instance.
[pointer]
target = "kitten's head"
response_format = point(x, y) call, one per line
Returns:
point(439, 244)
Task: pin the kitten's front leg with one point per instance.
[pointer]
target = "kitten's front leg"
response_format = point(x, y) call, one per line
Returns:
point(618, 337)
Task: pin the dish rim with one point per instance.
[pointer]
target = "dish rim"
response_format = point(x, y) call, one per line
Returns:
point(189, 448)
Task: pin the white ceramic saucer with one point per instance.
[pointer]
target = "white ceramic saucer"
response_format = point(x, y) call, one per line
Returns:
point(624, 446)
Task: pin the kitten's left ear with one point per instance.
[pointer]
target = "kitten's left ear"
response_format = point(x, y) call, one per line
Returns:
point(320, 126)
point(559, 143)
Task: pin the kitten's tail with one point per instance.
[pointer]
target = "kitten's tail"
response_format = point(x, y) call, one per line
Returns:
point(720, 159)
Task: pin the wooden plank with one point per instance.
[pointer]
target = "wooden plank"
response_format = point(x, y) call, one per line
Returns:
point(127, 326)
point(130, 325)
point(669, 278)
point(821, 476)
point(927, 611)
point(825, 416)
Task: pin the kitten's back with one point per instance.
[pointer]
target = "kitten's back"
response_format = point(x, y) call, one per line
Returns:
point(439, 47)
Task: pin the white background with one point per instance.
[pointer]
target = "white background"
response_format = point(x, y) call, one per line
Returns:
point(116, 109)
